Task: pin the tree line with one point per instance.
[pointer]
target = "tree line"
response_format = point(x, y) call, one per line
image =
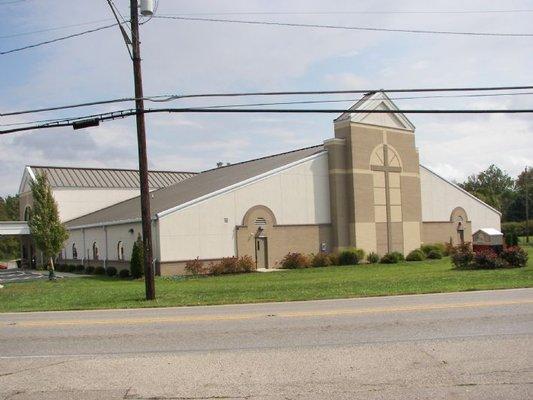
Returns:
point(499, 190)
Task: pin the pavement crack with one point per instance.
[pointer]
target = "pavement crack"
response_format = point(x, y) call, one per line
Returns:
point(32, 368)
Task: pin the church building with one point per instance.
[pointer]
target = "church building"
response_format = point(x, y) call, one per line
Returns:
point(362, 188)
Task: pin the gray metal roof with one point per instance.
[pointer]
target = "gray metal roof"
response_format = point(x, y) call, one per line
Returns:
point(67, 177)
point(197, 186)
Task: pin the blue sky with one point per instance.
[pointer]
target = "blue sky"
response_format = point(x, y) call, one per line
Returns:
point(193, 57)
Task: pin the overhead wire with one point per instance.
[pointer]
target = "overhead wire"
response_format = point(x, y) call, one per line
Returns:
point(166, 98)
point(126, 113)
point(355, 28)
point(125, 37)
point(351, 100)
point(55, 28)
point(31, 46)
point(363, 12)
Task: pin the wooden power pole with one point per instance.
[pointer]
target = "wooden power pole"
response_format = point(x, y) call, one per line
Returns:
point(143, 160)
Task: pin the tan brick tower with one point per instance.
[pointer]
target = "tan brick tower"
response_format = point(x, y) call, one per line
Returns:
point(374, 179)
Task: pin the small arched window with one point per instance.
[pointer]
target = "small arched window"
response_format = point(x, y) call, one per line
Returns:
point(74, 252)
point(120, 251)
point(95, 252)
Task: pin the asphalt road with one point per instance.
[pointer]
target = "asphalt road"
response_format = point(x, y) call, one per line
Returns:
point(474, 345)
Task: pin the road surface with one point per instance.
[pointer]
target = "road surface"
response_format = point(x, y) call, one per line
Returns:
point(474, 345)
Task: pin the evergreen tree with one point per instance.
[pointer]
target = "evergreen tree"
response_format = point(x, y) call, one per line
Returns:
point(137, 259)
point(46, 229)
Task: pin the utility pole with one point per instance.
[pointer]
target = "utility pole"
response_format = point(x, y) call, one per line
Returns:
point(143, 163)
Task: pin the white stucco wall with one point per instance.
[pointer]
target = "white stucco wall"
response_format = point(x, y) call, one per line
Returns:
point(440, 197)
point(73, 203)
point(106, 250)
point(297, 195)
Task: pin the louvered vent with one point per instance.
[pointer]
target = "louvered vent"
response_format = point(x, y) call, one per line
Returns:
point(260, 221)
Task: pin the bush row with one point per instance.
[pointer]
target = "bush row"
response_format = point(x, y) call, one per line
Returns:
point(227, 265)
point(80, 269)
point(511, 257)
point(355, 256)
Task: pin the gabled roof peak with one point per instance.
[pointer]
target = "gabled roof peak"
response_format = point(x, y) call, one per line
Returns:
point(377, 100)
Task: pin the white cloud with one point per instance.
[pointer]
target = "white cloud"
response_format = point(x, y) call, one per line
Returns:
point(193, 57)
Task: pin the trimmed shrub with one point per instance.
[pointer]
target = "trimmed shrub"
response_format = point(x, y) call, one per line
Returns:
point(216, 268)
point(194, 267)
point(399, 256)
point(228, 265)
point(320, 260)
point(124, 273)
point(80, 269)
point(60, 267)
point(487, 259)
point(448, 249)
point(111, 271)
point(463, 256)
point(427, 248)
point(372, 258)
point(360, 254)
point(434, 255)
point(515, 256)
point(137, 259)
point(348, 257)
point(390, 258)
point(333, 259)
point(232, 265)
point(71, 268)
point(416, 255)
point(294, 261)
point(246, 264)
point(99, 271)
point(89, 270)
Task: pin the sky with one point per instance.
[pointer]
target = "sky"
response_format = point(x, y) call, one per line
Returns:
point(184, 57)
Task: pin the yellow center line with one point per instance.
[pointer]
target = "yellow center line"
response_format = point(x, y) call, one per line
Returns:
point(250, 316)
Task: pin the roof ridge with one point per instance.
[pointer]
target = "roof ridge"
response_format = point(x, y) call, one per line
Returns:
point(262, 158)
point(111, 169)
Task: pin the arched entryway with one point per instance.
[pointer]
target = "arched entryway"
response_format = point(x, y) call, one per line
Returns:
point(259, 221)
point(459, 219)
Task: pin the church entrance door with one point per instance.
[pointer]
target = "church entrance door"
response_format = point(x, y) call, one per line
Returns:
point(261, 252)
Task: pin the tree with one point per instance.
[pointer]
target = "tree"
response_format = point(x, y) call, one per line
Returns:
point(46, 229)
point(517, 208)
point(9, 211)
point(494, 186)
point(137, 259)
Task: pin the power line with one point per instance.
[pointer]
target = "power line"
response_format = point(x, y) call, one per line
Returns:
point(55, 28)
point(125, 37)
point(351, 100)
point(101, 28)
point(127, 113)
point(165, 98)
point(355, 28)
point(361, 12)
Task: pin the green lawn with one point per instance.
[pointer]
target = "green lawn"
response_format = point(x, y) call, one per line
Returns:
point(316, 283)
